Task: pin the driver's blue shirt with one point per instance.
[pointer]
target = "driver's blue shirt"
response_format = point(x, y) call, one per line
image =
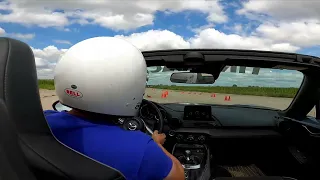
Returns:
point(133, 153)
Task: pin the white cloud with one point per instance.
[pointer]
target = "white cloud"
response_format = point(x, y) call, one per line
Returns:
point(62, 42)
point(2, 31)
point(206, 38)
point(116, 15)
point(282, 9)
point(156, 39)
point(212, 38)
point(298, 33)
point(41, 63)
point(294, 22)
point(16, 35)
point(201, 28)
point(22, 36)
point(46, 60)
point(50, 54)
point(45, 73)
point(238, 28)
point(31, 14)
point(165, 39)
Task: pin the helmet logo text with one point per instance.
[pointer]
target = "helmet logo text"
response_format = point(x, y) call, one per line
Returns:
point(73, 93)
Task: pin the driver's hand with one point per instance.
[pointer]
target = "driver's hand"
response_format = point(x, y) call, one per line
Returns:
point(159, 138)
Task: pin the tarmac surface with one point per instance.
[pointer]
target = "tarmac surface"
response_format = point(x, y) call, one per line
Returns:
point(48, 97)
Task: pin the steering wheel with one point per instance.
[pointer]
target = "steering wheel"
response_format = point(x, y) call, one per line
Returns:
point(160, 120)
point(139, 123)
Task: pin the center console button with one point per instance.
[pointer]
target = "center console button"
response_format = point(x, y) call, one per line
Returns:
point(179, 137)
point(190, 138)
point(202, 138)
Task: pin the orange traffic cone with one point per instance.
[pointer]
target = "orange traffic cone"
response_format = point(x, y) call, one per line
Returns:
point(227, 98)
point(164, 94)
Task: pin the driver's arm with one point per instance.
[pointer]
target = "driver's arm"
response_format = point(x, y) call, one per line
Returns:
point(158, 164)
point(177, 171)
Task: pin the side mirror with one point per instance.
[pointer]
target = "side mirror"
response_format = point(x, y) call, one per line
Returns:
point(192, 78)
point(57, 106)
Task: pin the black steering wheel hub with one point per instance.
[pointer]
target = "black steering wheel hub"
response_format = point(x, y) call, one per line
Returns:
point(140, 123)
point(133, 124)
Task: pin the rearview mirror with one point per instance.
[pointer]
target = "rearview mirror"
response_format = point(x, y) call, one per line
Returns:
point(57, 106)
point(192, 78)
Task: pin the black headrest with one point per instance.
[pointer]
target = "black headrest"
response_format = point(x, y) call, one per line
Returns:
point(19, 86)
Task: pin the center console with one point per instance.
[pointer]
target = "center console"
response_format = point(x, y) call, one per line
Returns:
point(190, 148)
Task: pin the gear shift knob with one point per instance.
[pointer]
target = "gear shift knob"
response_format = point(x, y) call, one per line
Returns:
point(187, 154)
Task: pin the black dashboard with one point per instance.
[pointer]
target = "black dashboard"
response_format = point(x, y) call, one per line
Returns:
point(234, 134)
point(195, 122)
point(220, 121)
point(219, 115)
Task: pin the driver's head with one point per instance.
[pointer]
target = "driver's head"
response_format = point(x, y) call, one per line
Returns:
point(104, 75)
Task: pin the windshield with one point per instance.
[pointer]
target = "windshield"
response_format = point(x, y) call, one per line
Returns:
point(272, 88)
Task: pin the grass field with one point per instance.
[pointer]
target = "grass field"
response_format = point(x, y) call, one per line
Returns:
point(46, 84)
point(256, 91)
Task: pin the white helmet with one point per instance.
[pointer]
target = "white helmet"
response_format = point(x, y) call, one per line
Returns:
point(103, 75)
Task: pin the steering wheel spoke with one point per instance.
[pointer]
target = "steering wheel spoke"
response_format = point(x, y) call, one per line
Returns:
point(151, 123)
point(148, 129)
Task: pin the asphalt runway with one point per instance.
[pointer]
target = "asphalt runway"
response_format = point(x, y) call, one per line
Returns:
point(48, 97)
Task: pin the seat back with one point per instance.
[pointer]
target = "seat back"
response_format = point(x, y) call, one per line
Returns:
point(12, 161)
point(46, 156)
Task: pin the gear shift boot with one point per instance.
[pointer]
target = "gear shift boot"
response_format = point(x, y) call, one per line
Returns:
point(193, 158)
point(189, 160)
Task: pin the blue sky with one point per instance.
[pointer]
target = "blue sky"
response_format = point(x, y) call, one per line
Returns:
point(51, 27)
